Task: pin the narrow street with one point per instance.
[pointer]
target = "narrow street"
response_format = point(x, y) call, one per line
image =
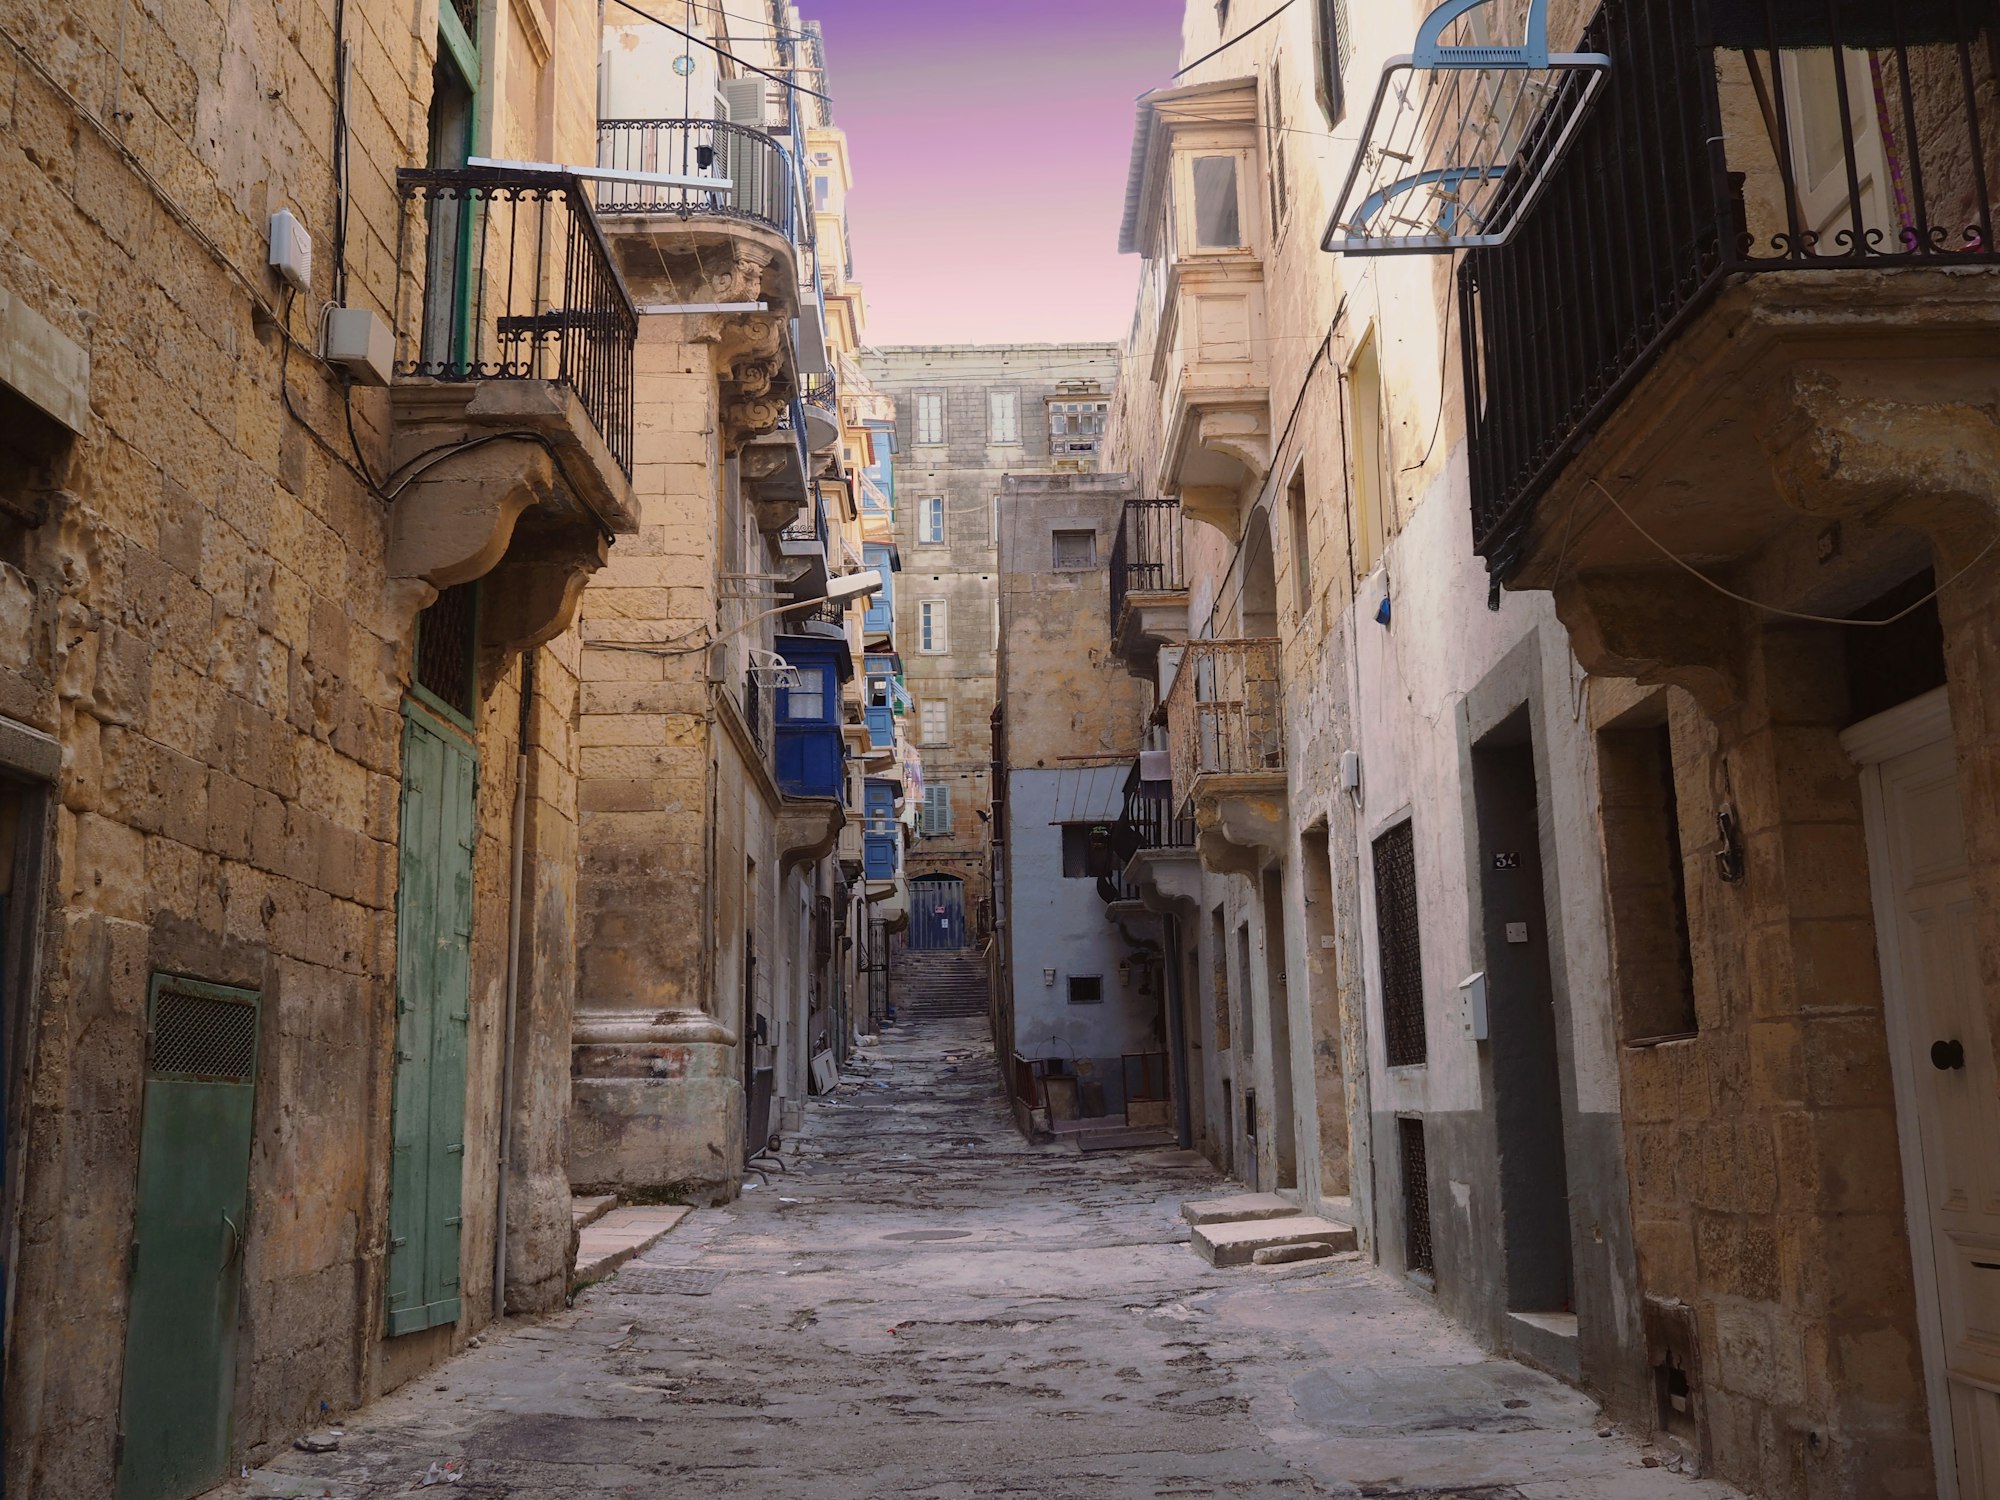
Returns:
point(923, 1305)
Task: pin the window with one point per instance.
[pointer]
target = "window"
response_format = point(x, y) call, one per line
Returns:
point(932, 638)
point(1646, 872)
point(1217, 225)
point(935, 820)
point(806, 703)
point(1086, 851)
point(936, 721)
point(1003, 417)
point(1416, 1195)
point(1076, 549)
point(1086, 989)
point(1398, 946)
point(822, 191)
point(1335, 46)
point(1274, 146)
point(930, 521)
point(930, 417)
point(1371, 498)
point(1301, 542)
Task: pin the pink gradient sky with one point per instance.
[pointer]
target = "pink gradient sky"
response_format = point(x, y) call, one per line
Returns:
point(990, 143)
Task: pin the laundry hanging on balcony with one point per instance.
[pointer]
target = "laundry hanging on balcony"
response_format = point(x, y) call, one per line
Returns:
point(1464, 133)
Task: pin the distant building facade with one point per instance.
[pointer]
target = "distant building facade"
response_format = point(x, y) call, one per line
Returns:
point(966, 418)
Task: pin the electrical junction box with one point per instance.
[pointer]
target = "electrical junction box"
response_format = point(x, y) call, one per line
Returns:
point(360, 343)
point(1473, 992)
point(1350, 771)
point(291, 250)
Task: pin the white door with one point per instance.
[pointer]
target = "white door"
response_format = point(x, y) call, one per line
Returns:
point(1821, 160)
point(1948, 1088)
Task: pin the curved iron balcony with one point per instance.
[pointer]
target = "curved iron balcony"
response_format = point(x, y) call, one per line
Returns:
point(821, 391)
point(761, 186)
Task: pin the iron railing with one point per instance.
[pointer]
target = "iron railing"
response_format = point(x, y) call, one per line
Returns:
point(821, 391)
point(1734, 137)
point(762, 183)
point(1225, 713)
point(1150, 819)
point(1148, 557)
point(811, 526)
point(511, 279)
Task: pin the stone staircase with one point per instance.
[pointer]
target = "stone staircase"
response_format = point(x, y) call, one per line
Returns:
point(928, 986)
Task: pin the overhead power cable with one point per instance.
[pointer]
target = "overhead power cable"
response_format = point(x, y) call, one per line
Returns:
point(1247, 31)
point(720, 52)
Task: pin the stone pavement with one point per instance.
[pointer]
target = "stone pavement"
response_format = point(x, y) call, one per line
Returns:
point(926, 1306)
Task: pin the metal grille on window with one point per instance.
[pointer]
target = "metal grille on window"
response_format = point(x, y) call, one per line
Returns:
point(468, 16)
point(1416, 1196)
point(1396, 925)
point(446, 640)
point(199, 1036)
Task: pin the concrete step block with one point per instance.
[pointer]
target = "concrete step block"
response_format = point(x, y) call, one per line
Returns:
point(1238, 1208)
point(1285, 1255)
point(622, 1234)
point(1236, 1244)
point(584, 1212)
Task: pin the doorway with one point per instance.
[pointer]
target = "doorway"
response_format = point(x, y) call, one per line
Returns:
point(1523, 1057)
point(1947, 1092)
point(937, 914)
point(1278, 1013)
point(187, 1226)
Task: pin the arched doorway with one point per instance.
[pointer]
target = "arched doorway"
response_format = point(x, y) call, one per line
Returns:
point(937, 913)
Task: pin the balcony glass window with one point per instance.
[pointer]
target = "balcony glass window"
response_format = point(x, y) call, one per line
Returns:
point(822, 191)
point(806, 703)
point(1003, 417)
point(930, 520)
point(1217, 224)
point(930, 417)
point(931, 634)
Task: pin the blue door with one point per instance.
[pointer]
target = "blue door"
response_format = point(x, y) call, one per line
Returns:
point(937, 913)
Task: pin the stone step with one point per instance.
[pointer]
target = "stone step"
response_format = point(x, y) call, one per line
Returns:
point(1237, 1243)
point(584, 1212)
point(1118, 1138)
point(1238, 1208)
point(622, 1234)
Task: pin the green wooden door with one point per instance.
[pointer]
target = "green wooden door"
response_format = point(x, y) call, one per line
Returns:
point(433, 992)
point(187, 1251)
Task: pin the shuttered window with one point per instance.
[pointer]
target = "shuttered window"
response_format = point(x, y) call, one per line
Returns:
point(1398, 947)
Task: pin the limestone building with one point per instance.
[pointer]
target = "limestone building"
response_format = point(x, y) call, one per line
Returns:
point(349, 836)
point(967, 417)
point(293, 545)
point(1571, 687)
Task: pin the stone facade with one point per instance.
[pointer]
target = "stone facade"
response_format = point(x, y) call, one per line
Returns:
point(964, 461)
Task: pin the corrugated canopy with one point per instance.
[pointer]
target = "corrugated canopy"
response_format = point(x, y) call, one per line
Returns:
point(1090, 794)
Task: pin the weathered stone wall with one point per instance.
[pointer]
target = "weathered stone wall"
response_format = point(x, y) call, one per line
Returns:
point(204, 622)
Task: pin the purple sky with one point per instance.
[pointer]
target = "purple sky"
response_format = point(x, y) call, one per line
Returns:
point(990, 143)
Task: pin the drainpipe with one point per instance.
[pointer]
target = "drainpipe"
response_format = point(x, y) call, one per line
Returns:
point(518, 842)
point(1171, 962)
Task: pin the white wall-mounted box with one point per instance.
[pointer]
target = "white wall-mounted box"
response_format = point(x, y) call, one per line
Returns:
point(1472, 991)
point(360, 343)
point(291, 250)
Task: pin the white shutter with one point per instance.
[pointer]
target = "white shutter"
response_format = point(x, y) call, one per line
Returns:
point(743, 101)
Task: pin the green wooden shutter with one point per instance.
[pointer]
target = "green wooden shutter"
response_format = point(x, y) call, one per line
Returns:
point(433, 995)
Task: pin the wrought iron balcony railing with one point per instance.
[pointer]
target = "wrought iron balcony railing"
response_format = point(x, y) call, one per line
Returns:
point(1733, 137)
point(811, 526)
point(513, 280)
point(762, 185)
point(1225, 714)
point(1151, 819)
point(1147, 557)
point(820, 391)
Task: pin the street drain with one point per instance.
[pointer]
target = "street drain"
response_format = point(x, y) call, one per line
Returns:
point(912, 1236)
point(684, 1281)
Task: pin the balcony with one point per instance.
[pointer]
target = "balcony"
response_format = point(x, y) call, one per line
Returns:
point(1157, 842)
point(1149, 583)
point(1226, 745)
point(512, 321)
point(727, 256)
point(1764, 228)
point(822, 413)
point(777, 470)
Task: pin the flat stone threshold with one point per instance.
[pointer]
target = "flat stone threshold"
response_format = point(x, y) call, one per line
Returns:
point(621, 1234)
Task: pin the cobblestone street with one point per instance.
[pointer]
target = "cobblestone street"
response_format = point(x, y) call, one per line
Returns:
point(922, 1305)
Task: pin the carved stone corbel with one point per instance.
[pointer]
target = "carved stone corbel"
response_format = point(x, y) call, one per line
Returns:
point(1657, 626)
